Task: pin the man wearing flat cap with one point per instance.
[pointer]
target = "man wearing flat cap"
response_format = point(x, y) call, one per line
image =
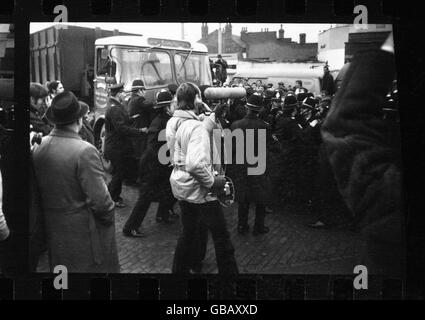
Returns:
point(78, 212)
point(250, 188)
point(153, 176)
point(118, 142)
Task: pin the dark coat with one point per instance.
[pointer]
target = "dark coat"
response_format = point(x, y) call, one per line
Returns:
point(119, 132)
point(138, 105)
point(37, 122)
point(237, 111)
point(223, 72)
point(289, 167)
point(143, 110)
point(87, 133)
point(364, 153)
point(328, 83)
point(77, 208)
point(250, 188)
point(151, 171)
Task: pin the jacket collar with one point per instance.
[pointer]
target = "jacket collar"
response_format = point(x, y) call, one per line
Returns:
point(185, 114)
point(65, 133)
point(251, 116)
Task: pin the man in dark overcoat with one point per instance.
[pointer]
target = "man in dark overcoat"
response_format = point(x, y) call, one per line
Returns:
point(250, 188)
point(153, 176)
point(77, 214)
point(140, 110)
point(118, 144)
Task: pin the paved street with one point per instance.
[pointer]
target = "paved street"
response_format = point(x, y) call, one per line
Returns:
point(289, 247)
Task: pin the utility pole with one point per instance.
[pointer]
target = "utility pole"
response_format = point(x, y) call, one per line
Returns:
point(182, 30)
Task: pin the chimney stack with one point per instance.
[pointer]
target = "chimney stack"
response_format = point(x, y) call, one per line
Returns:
point(281, 32)
point(302, 38)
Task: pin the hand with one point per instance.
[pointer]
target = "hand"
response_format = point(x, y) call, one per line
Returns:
point(144, 130)
point(220, 110)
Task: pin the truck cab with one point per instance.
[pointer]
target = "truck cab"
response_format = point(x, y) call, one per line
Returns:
point(158, 62)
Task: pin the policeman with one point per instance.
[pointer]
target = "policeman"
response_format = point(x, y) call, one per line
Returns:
point(286, 127)
point(118, 144)
point(250, 188)
point(154, 176)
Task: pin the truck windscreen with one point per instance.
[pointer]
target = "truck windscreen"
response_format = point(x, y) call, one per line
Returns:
point(195, 68)
point(153, 67)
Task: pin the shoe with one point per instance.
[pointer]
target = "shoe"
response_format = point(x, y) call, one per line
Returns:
point(133, 233)
point(317, 225)
point(243, 229)
point(260, 230)
point(120, 204)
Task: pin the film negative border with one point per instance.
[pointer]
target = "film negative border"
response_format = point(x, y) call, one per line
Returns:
point(207, 10)
point(211, 288)
point(168, 287)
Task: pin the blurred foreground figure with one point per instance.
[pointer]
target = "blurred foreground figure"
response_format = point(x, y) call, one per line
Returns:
point(364, 152)
point(77, 212)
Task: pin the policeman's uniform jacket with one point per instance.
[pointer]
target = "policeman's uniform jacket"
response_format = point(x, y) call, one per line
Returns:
point(141, 111)
point(250, 188)
point(151, 171)
point(118, 130)
point(139, 106)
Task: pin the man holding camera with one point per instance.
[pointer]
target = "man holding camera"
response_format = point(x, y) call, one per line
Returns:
point(193, 181)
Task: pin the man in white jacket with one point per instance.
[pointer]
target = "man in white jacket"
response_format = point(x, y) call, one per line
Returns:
point(193, 181)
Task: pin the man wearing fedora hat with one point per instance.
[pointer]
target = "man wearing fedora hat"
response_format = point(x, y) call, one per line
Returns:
point(118, 142)
point(153, 176)
point(250, 188)
point(141, 111)
point(77, 208)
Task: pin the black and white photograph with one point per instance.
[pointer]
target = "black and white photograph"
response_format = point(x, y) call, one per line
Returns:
point(212, 148)
point(7, 125)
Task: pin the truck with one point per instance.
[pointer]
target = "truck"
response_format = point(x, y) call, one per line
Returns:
point(157, 62)
point(66, 53)
point(88, 61)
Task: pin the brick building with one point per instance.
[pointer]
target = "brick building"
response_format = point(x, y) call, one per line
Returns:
point(264, 45)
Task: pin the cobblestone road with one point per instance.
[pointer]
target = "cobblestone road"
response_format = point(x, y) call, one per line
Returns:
point(289, 247)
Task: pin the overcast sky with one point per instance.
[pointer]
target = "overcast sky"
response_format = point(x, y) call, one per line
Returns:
point(192, 31)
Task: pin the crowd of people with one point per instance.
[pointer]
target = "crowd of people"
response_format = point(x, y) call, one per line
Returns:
point(74, 195)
